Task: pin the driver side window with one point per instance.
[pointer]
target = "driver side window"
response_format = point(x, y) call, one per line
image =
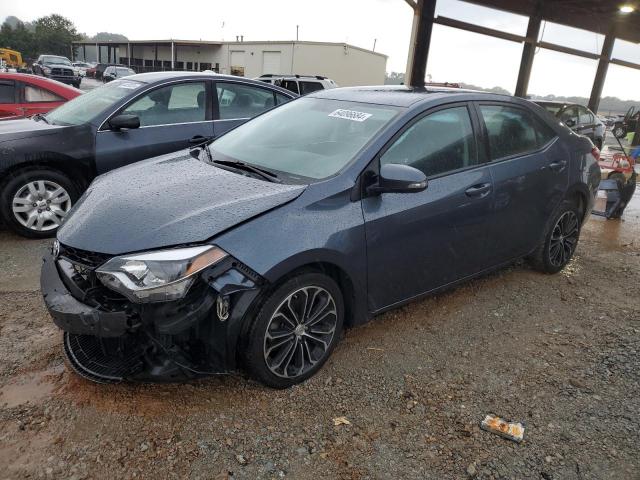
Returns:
point(180, 103)
point(438, 143)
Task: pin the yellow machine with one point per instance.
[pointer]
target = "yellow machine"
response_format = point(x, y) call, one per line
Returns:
point(11, 58)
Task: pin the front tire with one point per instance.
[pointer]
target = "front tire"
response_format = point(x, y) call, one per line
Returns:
point(560, 240)
point(34, 202)
point(295, 331)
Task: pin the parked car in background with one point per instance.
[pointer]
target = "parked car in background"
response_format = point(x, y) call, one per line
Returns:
point(299, 84)
point(47, 161)
point(23, 95)
point(578, 118)
point(112, 73)
point(256, 250)
point(91, 71)
point(81, 67)
point(626, 124)
point(57, 68)
point(101, 67)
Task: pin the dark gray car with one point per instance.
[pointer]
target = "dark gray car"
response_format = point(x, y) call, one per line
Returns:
point(255, 252)
point(47, 161)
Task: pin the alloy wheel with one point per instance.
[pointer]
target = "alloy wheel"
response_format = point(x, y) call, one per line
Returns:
point(300, 332)
point(41, 205)
point(564, 239)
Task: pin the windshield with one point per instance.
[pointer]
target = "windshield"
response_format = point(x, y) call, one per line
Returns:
point(85, 107)
point(309, 138)
point(56, 61)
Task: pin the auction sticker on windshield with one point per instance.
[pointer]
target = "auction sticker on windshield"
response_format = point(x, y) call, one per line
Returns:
point(350, 115)
point(129, 85)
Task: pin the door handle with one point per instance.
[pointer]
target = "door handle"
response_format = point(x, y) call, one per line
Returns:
point(199, 139)
point(480, 190)
point(558, 165)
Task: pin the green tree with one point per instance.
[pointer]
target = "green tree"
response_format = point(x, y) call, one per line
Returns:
point(18, 37)
point(54, 34)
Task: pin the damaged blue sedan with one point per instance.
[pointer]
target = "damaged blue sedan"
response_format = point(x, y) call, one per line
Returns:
point(253, 252)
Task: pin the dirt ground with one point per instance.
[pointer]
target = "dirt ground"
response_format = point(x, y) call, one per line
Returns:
point(558, 353)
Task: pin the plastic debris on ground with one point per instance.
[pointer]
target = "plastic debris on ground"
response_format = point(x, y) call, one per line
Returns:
point(511, 430)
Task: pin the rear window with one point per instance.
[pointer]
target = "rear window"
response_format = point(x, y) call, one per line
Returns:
point(35, 94)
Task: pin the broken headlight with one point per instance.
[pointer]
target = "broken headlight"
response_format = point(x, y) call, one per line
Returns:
point(158, 276)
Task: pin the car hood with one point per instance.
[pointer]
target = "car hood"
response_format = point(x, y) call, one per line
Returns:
point(166, 201)
point(16, 129)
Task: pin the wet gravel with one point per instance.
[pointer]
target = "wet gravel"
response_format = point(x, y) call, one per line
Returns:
point(557, 353)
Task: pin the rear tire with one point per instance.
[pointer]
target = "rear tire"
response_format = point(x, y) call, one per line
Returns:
point(295, 331)
point(560, 239)
point(55, 192)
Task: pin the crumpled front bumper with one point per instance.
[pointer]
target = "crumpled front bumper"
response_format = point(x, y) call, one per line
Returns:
point(170, 341)
point(73, 316)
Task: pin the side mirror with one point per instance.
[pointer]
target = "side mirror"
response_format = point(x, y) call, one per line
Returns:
point(397, 178)
point(570, 123)
point(125, 120)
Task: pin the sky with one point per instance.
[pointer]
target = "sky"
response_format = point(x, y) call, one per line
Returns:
point(456, 56)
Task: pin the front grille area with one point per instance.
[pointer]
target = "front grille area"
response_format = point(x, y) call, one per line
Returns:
point(91, 260)
point(63, 72)
point(79, 267)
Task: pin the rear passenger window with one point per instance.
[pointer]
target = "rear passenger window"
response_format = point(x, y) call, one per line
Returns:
point(511, 131)
point(242, 101)
point(438, 143)
point(544, 133)
point(280, 99)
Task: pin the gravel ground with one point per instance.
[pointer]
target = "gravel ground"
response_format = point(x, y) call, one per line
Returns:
point(558, 353)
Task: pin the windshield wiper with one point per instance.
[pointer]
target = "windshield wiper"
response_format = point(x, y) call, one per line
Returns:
point(262, 172)
point(39, 116)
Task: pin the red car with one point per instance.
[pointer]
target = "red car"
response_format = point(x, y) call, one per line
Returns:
point(23, 95)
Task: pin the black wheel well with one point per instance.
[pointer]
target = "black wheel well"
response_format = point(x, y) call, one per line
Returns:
point(79, 177)
point(579, 199)
point(338, 275)
point(333, 271)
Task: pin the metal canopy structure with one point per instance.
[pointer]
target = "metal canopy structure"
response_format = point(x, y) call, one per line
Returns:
point(616, 19)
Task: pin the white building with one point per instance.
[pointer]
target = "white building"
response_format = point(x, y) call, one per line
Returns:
point(344, 63)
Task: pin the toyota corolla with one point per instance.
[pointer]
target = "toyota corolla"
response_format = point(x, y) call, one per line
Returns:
point(255, 251)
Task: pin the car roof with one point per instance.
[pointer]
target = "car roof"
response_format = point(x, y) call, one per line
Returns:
point(399, 95)
point(155, 77)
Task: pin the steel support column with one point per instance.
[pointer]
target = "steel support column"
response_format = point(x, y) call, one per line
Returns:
point(173, 58)
point(603, 67)
point(529, 52)
point(423, 14)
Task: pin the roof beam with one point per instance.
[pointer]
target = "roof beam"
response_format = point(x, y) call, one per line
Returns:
point(624, 63)
point(470, 27)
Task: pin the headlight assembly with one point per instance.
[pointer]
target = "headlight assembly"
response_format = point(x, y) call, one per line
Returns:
point(158, 276)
